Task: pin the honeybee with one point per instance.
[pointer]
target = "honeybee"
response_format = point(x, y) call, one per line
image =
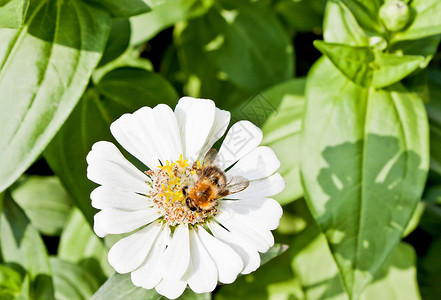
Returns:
point(211, 185)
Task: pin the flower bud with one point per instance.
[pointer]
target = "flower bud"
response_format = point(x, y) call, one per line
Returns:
point(395, 14)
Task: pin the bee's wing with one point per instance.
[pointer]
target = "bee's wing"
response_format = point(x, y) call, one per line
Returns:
point(237, 184)
point(210, 157)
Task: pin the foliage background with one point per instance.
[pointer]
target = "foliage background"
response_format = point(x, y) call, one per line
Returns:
point(358, 137)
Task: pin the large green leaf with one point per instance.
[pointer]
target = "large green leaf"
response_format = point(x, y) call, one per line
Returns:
point(250, 53)
point(364, 165)
point(164, 14)
point(119, 91)
point(12, 13)
point(44, 201)
point(72, 282)
point(22, 245)
point(314, 267)
point(44, 67)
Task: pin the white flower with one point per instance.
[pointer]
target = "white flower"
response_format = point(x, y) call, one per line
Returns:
point(177, 246)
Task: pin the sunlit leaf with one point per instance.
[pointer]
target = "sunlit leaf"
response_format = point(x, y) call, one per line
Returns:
point(364, 165)
point(12, 13)
point(44, 68)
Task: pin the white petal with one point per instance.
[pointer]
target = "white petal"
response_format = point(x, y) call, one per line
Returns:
point(113, 221)
point(177, 255)
point(97, 229)
point(109, 197)
point(171, 289)
point(129, 253)
point(107, 166)
point(201, 275)
point(228, 262)
point(266, 187)
point(131, 133)
point(266, 212)
point(261, 162)
point(249, 255)
point(256, 237)
point(166, 126)
point(220, 125)
point(148, 275)
point(195, 119)
point(242, 137)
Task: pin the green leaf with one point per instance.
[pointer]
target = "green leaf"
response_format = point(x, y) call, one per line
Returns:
point(273, 252)
point(281, 132)
point(118, 9)
point(44, 201)
point(366, 14)
point(354, 62)
point(302, 15)
point(433, 108)
point(397, 278)
point(10, 282)
point(426, 21)
point(250, 53)
point(341, 27)
point(429, 271)
point(368, 68)
point(313, 265)
point(44, 67)
point(271, 281)
point(72, 282)
point(119, 91)
point(120, 287)
point(21, 244)
point(118, 41)
point(391, 68)
point(364, 165)
point(202, 78)
point(165, 14)
point(80, 245)
point(12, 13)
